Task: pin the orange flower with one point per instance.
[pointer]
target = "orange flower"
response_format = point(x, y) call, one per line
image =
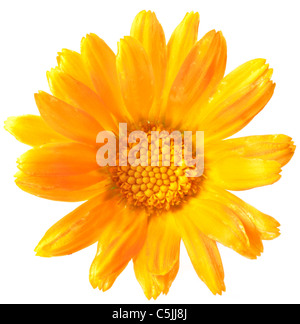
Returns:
point(142, 213)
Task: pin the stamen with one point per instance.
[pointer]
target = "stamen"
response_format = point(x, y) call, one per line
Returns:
point(155, 187)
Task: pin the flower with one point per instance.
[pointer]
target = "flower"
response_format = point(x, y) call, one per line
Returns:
point(142, 213)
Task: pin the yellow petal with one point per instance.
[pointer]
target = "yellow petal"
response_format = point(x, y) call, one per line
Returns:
point(67, 120)
point(147, 29)
point(100, 62)
point(241, 77)
point(32, 130)
point(196, 80)
point(119, 243)
point(164, 282)
point(241, 95)
point(79, 229)
point(78, 95)
point(181, 42)
point(144, 277)
point(136, 78)
point(265, 224)
point(221, 196)
point(220, 223)
point(153, 285)
point(71, 63)
point(238, 173)
point(203, 253)
point(59, 159)
point(277, 147)
point(162, 244)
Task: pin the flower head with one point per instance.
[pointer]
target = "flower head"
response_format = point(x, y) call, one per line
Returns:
point(142, 211)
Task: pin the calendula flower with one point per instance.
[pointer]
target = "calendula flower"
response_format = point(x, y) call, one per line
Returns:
point(142, 212)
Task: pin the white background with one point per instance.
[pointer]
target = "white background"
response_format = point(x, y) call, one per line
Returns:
point(32, 32)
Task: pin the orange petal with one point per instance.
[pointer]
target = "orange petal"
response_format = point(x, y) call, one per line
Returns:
point(147, 29)
point(278, 148)
point(181, 42)
point(67, 120)
point(104, 283)
point(203, 253)
point(162, 244)
point(219, 223)
point(62, 194)
point(119, 243)
point(266, 225)
point(196, 80)
point(32, 130)
point(59, 159)
point(100, 62)
point(238, 173)
point(78, 95)
point(66, 182)
point(71, 63)
point(240, 96)
point(79, 229)
point(136, 77)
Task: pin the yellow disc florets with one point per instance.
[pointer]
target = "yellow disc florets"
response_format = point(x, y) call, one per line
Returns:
point(155, 186)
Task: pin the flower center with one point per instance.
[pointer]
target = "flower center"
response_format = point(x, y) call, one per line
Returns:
point(159, 186)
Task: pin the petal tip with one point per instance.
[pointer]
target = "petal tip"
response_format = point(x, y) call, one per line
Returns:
point(9, 124)
point(39, 252)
